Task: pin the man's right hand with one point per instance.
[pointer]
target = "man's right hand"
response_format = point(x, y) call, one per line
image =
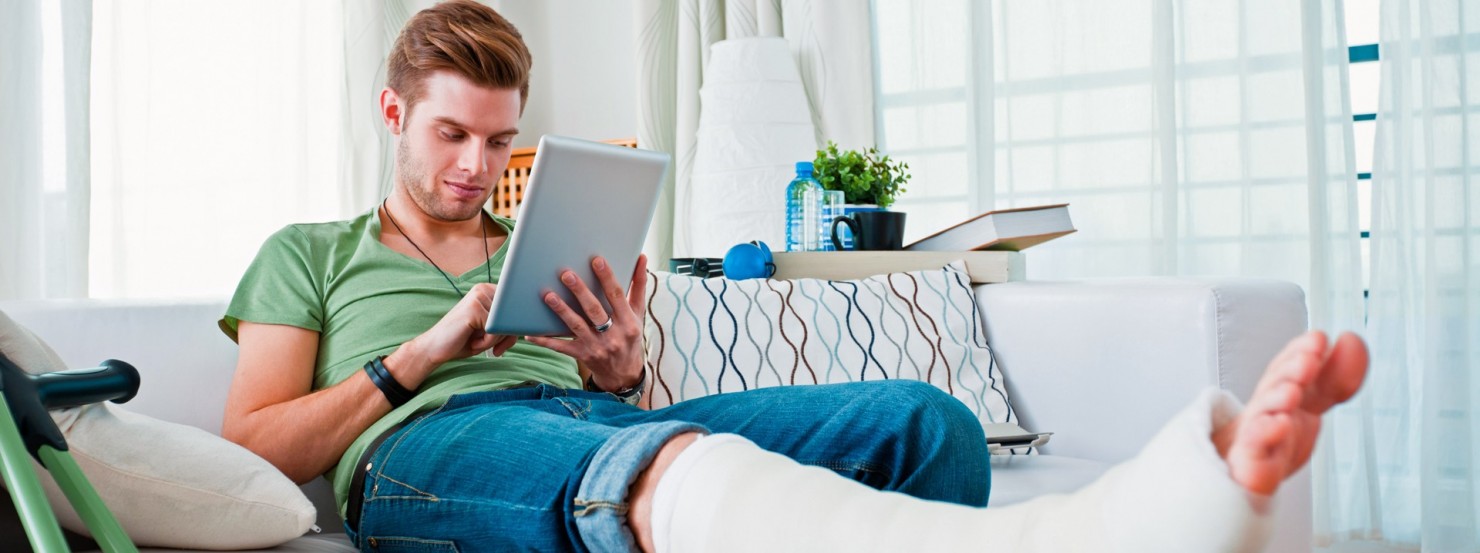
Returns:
point(459, 334)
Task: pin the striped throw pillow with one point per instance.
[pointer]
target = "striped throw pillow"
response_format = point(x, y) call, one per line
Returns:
point(712, 336)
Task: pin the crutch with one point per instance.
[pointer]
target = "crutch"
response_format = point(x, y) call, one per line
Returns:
point(27, 430)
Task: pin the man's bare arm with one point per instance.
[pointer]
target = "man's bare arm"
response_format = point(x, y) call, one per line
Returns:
point(272, 411)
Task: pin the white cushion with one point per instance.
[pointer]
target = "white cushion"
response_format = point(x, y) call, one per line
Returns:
point(1018, 478)
point(312, 543)
point(169, 485)
point(709, 336)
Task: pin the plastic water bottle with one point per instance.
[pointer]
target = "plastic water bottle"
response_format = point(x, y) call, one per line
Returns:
point(803, 210)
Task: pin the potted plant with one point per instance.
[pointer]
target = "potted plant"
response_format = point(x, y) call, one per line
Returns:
point(865, 177)
point(870, 182)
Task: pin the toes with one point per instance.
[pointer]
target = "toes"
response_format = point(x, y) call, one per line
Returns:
point(1281, 397)
point(1259, 457)
point(1270, 432)
point(1298, 361)
point(1341, 374)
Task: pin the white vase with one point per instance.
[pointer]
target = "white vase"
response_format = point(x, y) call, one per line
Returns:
point(754, 125)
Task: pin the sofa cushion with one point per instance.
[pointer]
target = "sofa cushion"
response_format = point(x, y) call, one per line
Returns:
point(1018, 478)
point(710, 336)
point(168, 484)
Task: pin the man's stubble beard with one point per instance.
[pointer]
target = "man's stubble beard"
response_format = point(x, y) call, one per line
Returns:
point(413, 176)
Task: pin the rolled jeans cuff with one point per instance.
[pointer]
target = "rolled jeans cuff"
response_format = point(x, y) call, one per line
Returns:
point(601, 502)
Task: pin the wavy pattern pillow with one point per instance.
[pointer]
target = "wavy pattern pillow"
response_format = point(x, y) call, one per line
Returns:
point(711, 336)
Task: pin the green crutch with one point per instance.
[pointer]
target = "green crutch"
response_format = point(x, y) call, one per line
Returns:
point(26, 430)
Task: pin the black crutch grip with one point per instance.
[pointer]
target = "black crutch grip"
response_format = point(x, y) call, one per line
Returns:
point(30, 396)
point(114, 381)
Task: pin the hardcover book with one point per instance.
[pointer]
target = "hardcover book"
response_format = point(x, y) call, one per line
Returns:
point(981, 267)
point(1004, 229)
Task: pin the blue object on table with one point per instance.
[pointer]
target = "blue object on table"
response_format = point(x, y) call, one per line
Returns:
point(749, 260)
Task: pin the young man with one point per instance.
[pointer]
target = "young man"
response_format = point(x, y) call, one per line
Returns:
point(339, 323)
point(362, 358)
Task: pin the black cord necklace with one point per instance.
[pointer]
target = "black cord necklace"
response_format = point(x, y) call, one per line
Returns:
point(482, 225)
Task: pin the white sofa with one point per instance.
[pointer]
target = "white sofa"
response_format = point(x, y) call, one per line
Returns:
point(1100, 363)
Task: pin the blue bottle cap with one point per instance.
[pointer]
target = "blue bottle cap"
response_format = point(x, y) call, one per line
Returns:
point(804, 167)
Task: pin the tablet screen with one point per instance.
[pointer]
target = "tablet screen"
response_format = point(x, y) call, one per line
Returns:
point(584, 199)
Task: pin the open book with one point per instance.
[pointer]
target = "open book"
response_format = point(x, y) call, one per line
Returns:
point(1006, 435)
point(1004, 229)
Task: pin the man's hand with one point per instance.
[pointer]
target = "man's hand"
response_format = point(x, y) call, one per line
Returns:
point(459, 334)
point(614, 355)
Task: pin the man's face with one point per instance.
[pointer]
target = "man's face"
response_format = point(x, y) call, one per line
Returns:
point(455, 144)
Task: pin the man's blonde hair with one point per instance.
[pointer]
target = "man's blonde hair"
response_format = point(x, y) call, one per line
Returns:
point(462, 36)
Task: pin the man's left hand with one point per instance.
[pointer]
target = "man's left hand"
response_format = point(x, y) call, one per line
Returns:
point(607, 344)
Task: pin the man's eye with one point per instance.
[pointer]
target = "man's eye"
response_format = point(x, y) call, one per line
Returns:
point(452, 136)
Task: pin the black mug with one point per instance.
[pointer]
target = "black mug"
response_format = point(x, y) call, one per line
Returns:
point(872, 230)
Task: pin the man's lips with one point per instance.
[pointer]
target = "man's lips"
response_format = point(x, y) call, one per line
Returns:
point(464, 190)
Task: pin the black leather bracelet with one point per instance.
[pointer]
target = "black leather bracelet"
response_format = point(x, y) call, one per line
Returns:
point(394, 392)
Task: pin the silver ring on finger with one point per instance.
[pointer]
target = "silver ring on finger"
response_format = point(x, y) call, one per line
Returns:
point(603, 326)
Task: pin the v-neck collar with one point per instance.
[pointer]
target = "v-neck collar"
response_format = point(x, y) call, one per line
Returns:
point(373, 229)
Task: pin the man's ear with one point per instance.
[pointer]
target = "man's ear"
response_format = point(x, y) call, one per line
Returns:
point(391, 112)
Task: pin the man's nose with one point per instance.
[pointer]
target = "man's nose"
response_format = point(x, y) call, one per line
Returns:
point(473, 158)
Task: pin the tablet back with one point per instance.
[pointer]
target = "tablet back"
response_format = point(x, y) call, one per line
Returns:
point(583, 199)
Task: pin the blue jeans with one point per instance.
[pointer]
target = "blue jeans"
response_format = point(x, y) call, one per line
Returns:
point(547, 469)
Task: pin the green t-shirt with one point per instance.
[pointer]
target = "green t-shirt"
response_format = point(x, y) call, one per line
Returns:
point(365, 299)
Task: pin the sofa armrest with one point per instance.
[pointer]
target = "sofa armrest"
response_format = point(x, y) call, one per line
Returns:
point(1104, 363)
point(186, 363)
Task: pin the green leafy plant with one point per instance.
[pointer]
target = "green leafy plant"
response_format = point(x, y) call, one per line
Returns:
point(865, 177)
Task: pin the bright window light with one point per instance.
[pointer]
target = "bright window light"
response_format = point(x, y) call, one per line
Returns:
point(214, 125)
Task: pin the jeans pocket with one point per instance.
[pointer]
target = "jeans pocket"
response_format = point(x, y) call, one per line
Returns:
point(580, 409)
point(382, 544)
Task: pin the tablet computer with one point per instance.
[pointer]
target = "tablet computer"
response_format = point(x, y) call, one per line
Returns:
point(583, 199)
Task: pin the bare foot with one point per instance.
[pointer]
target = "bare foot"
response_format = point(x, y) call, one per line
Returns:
point(1274, 435)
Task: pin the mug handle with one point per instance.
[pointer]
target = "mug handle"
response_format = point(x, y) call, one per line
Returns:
point(852, 225)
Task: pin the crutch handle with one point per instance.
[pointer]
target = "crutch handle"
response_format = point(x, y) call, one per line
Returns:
point(30, 396)
point(114, 381)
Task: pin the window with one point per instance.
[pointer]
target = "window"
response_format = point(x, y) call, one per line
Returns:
point(923, 107)
point(1364, 72)
point(213, 125)
point(1073, 105)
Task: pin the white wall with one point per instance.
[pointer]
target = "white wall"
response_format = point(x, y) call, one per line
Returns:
point(584, 82)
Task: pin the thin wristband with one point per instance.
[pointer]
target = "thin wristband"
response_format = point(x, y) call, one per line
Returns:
point(394, 392)
point(629, 396)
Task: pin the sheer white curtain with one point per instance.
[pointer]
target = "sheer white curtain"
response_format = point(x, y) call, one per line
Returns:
point(1191, 138)
point(1404, 469)
point(44, 60)
point(368, 160)
point(827, 41)
point(214, 124)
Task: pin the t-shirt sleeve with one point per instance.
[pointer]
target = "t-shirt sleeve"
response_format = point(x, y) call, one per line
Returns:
point(282, 286)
